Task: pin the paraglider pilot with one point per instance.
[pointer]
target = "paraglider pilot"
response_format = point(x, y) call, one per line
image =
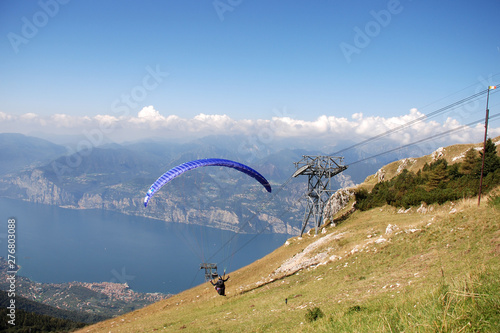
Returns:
point(219, 285)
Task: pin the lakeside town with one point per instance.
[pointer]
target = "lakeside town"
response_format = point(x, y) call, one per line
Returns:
point(103, 298)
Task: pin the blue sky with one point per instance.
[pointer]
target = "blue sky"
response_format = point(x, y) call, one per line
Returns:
point(247, 60)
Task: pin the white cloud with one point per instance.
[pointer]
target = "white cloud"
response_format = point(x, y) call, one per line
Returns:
point(67, 121)
point(106, 120)
point(150, 114)
point(5, 117)
point(149, 122)
point(29, 116)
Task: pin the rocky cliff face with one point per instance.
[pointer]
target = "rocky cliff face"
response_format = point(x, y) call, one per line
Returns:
point(34, 186)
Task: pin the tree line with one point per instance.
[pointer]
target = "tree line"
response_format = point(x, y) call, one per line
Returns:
point(33, 322)
point(437, 182)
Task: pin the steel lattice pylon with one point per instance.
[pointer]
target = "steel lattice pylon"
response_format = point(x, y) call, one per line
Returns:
point(319, 170)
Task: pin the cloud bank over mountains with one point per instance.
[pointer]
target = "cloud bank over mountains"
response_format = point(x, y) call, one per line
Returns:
point(150, 123)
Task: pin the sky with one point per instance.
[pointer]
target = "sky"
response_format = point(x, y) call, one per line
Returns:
point(136, 69)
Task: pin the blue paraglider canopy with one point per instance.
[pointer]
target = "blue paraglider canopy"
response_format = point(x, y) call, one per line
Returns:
point(180, 169)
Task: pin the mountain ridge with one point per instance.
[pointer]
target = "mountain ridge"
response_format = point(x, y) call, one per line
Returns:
point(19, 151)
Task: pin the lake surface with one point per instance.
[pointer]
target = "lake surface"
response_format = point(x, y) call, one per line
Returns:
point(55, 245)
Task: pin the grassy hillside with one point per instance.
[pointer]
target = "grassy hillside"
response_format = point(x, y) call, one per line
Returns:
point(378, 270)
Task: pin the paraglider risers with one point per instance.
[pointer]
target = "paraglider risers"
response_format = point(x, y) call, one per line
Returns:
point(210, 271)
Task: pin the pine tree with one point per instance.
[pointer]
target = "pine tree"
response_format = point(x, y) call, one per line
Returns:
point(437, 175)
point(470, 163)
point(491, 159)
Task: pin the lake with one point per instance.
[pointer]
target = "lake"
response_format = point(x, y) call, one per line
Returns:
point(55, 245)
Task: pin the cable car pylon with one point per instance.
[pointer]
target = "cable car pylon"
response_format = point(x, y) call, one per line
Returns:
point(319, 170)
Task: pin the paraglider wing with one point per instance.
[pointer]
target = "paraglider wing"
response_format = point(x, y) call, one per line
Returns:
point(180, 169)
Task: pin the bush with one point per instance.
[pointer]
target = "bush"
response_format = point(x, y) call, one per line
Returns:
point(361, 196)
point(494, 201)
point(355, 308)
point(313, 314)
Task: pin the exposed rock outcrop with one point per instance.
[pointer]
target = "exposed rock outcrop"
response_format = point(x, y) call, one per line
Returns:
point(39, 189)
point(337, 202)
point(309, 256)
point(404, 164)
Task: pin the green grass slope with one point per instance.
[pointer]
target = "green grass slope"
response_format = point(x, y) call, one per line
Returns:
point(377, 271)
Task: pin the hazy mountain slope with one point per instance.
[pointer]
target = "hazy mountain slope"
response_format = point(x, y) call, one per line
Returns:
point(116, 177)
point(19, 151)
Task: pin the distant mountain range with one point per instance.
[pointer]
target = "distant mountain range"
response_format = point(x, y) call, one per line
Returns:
point(19, 152)
point(116, 177)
